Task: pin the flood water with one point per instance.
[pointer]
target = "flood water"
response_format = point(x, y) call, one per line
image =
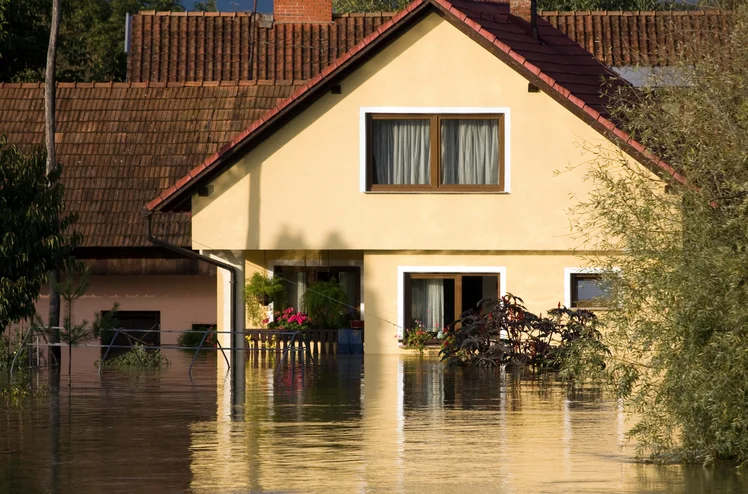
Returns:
point(373, 424)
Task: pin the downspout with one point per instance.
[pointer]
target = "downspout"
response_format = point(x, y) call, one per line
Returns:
point(199, 257)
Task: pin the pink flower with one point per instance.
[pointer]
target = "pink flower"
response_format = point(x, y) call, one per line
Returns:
point(265, 321)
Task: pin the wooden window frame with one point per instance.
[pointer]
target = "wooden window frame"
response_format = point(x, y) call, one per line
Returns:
point(435, 184)
point(574, 292)
point(457, 277)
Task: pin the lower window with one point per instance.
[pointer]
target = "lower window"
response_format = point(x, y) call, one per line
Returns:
point(436, 299)
point(589, 291)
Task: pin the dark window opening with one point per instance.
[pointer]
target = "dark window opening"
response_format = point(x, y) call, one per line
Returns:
point(589, 291)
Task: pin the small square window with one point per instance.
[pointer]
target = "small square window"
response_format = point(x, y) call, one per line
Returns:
point(589, 290)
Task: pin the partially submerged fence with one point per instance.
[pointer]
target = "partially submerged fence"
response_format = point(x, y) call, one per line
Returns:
point(309, 343)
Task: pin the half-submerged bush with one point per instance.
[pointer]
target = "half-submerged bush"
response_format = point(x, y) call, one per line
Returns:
point(504, 332)
point(138, 356)
point(192, 337)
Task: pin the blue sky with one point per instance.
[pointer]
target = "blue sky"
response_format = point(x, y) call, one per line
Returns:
point(236, 5)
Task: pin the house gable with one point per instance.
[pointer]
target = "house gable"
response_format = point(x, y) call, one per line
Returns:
point(300, 188)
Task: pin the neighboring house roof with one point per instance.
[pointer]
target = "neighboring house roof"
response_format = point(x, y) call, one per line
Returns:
point(195, 46)
point(212, 46)
point(122, 143)
point(557, 65)
point(654, 39)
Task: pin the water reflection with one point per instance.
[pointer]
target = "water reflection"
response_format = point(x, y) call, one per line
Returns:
point(374, 423)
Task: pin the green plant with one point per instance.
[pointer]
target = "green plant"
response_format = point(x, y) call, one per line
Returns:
point(506, 333)
point(10, 346)
point(33, 230)
point(677, 327)
point(418, 337)
point(326, 302)
point(138, 356)
point(289, 320)
point(263, 290)
point(70, 333)
point(193, 336)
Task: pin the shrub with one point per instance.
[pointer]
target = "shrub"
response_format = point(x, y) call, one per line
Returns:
point(139, 356)
point(327, 304)
point(506, 333)
point(193, 336)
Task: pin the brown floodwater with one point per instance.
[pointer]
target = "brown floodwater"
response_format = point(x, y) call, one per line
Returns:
point(349, 424)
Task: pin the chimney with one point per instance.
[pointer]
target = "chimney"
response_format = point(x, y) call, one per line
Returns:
point(527, 10)
point(302, 10)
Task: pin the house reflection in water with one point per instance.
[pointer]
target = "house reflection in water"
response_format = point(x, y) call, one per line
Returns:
point(404, 424)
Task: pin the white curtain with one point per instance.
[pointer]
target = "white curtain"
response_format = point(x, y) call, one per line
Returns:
point(402, 151)
point(427, 302)
point(295, 288)
point(470, 151)
point(347, 280)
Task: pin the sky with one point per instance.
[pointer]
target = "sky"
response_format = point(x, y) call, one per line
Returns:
point(236, 5)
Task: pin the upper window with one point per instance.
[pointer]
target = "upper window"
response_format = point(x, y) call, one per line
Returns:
point(589, 291)
point(435, 152)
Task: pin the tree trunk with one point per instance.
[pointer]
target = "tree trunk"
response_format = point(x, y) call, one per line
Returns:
point(49, 139)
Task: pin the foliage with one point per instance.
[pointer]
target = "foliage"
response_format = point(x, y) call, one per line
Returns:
point(71, 333)
point(289, 320)
point(33, 230)
point(10, 346)
point(206, 6)
point(326, 302)
point(193, 336)
point(263, 290)
point(91, 40)
point(344, 6)
point(138, 356)
point(419, 336)
point(679, 324)
point(506, 333)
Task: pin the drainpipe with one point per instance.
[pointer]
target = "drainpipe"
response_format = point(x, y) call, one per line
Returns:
point(200, 257)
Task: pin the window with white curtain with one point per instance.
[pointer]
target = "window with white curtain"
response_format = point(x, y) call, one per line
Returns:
point(435, 152)
point(436, 299)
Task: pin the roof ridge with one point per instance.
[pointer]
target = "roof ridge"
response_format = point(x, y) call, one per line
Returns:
point(579, 13)
point(167, 13)
point(157, 84)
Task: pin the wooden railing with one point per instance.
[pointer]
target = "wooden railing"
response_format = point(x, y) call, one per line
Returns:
point(321, 341)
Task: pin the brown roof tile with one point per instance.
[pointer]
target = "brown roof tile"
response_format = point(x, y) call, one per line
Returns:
point(121, 144)
point(233, 46)
point(638, 38)
point(178, 47)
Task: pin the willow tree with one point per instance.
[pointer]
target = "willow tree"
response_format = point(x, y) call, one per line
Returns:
point(679, 322)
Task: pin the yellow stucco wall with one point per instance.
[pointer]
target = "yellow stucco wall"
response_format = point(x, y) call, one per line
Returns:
point(300, 189)
point(538, 278)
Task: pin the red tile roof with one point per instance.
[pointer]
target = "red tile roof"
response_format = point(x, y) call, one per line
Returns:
point(199, 46)
point(122, 143)
point(556, 64)
point(638, 38)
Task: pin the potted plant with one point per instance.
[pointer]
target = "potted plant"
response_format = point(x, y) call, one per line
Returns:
point(326, 302)
point(261, 291)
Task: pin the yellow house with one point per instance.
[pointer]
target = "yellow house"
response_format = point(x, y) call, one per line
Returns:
point(418, 169)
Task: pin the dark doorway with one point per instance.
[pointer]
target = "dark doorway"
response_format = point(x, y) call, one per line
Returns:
point(138, 327)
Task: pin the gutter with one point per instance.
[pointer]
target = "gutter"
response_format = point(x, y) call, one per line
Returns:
point(198, 257)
